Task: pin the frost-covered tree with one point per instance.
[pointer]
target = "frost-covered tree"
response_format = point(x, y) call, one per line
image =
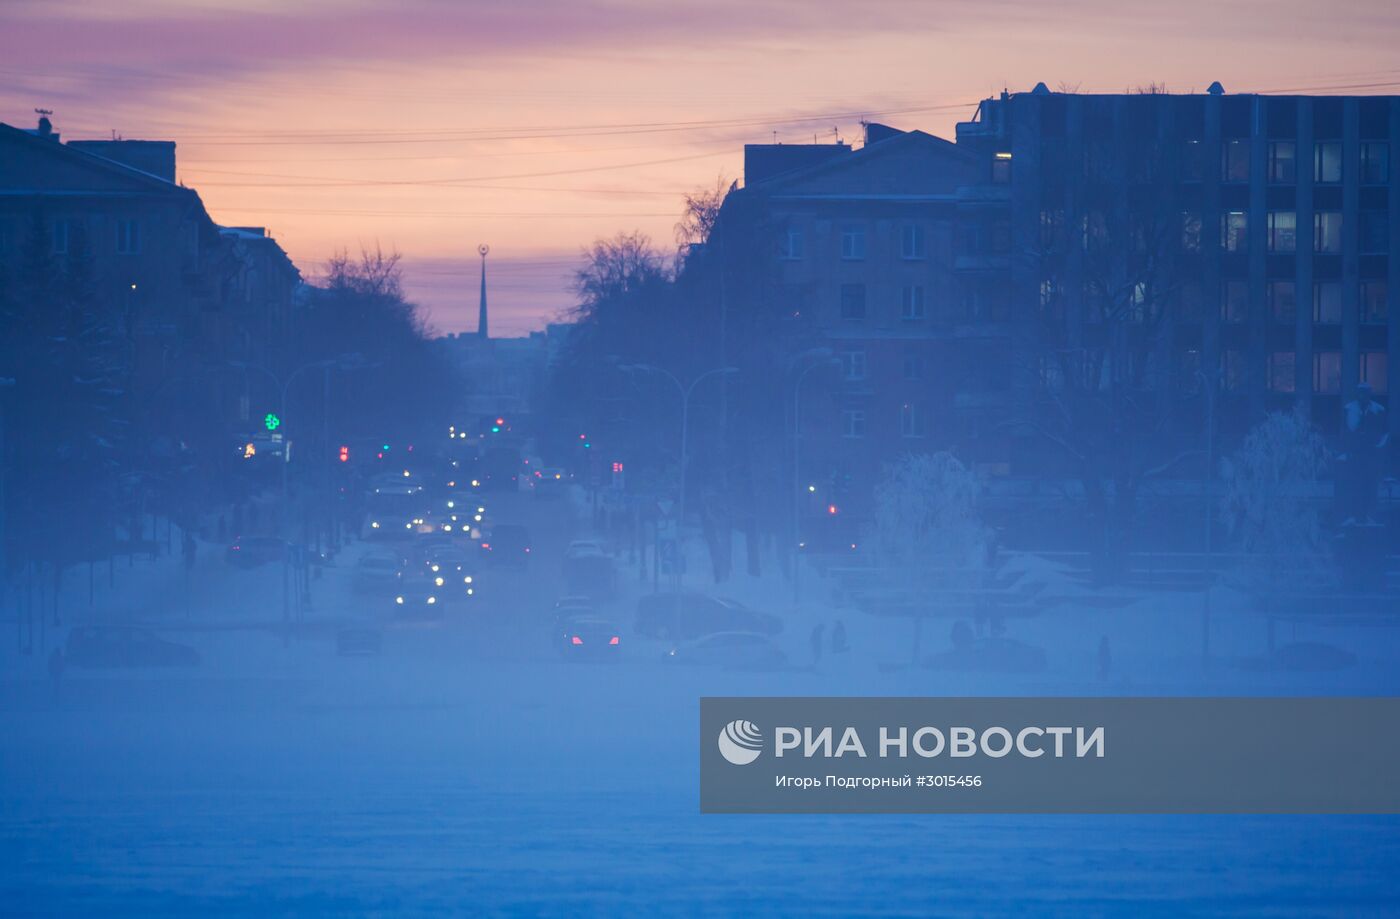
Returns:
point(1269, 507)
point(927, 521)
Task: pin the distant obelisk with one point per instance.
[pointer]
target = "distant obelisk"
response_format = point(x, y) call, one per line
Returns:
point(481, 327)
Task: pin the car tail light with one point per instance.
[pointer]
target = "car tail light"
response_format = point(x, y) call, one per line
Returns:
point(486, 546)
point(577, 640)
point(613, 641)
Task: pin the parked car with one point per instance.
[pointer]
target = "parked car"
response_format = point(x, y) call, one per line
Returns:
point(585, 548)
point(112, 647)
point(730, 650)
point(252, 551)
point(507, 544)
point(377, 572)
point(584, 634)
point(682, 616)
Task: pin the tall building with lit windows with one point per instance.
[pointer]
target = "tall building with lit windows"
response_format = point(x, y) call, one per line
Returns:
point(1283, 238)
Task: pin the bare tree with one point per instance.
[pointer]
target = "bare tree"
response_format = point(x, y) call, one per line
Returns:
point(1109, 261)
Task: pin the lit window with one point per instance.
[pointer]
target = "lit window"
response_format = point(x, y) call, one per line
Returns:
point(1283, 231)
point(1234, 231)
point(912, 241)
point(1001, 168)
point(911, 308)
point(1327, 231)
point(852, 422)
point(1327, 162)
point(853, 242)
point(1327, 302)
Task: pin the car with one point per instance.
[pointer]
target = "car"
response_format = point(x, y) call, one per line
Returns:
point(252, 551)
point(585, 634)
point(584, 548)
point(449, 568)
point(114, 647)
point(731, 651)
point(377, 572)
point(548, 483)
point(683, 616)
point(418, 598)
point(507, 544)
point(462, 515)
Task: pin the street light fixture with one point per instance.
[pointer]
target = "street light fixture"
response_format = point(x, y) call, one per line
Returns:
point(824, 357)
point(686, 392)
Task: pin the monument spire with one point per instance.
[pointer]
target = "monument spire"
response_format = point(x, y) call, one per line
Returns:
point(481, 327)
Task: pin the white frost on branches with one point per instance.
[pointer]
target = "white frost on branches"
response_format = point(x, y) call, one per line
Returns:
point(927, 520)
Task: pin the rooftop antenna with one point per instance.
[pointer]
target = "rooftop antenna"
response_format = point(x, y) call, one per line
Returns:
point(775, 137)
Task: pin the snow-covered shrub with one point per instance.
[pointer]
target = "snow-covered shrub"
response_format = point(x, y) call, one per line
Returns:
point(1270, 504)
point(927, 521)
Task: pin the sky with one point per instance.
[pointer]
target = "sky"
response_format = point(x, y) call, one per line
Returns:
point(428, 127)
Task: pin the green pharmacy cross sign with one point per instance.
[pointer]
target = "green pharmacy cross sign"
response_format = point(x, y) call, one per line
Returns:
point(271, 421)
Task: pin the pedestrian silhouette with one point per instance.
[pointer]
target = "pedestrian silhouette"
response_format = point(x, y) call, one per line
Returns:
point(839, 644)
point(818, 639)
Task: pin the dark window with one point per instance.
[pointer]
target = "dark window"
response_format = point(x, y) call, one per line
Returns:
point(1374, 309)
point(912, 241)
point(853, 242)
point(1375, 162)
point(1327, 372)
point(1283, 162)
point(1281, 373)
point(1234, 166)
point(911, 307)
point(1327, 302)
point(1374, 370)
point(1375, 231)
point(1193, 161)
point(1283, 301)
point(128, 237)
point(1234, 301)
point(1327, 231)
point(853, 302)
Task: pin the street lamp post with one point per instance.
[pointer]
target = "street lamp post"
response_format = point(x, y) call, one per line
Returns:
point(686, 392)
point(827, 361)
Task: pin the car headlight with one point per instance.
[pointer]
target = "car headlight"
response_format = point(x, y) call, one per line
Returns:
point(470, 591)
point(398, 600)
point(375, 525)
point(467, 579)
point(432, 600)
point(437, 581)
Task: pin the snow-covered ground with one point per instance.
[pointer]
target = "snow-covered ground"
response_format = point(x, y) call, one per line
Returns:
point(468, 770)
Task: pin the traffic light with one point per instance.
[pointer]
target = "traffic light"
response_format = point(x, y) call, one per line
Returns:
point(271, 421)
point(344, 454)
point(249, 451)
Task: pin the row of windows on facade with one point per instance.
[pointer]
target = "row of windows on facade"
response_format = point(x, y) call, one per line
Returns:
point(1281, 162)
point(1281, 302)
point(1329, 165)
point(1281, 231)
point(911, 421)
point(912, 246)
point(126, 236)
point(1233, 376)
